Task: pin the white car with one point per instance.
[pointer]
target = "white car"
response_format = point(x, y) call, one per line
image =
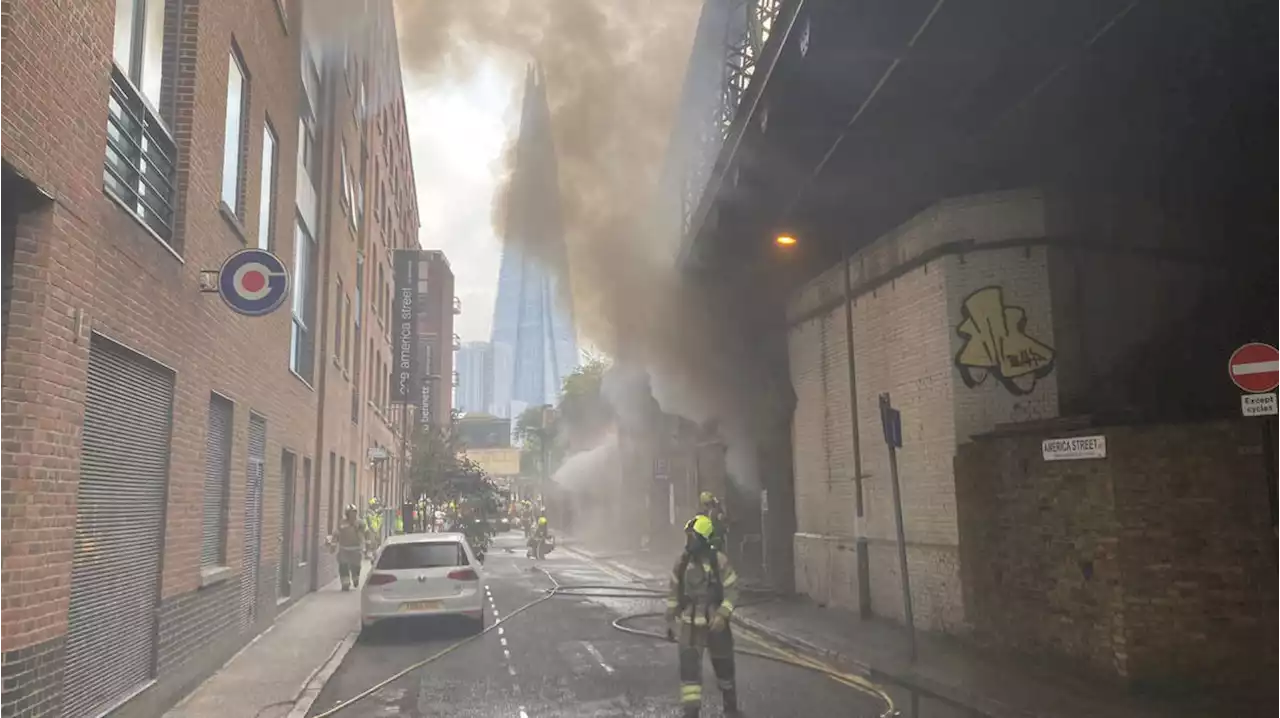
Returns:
point(428, 574)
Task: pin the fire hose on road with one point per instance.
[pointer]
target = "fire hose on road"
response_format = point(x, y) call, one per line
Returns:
point(605, 590)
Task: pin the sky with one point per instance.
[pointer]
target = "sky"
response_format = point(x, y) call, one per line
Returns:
point(457, 130)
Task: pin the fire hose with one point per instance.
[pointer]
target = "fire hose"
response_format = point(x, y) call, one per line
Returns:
point(604, 590)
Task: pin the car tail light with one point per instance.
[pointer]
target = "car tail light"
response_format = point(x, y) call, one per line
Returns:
point(378, 579)
point(464, 574)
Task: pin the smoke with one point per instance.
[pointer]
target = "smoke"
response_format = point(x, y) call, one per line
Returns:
point(613, 73)
point(582, 477)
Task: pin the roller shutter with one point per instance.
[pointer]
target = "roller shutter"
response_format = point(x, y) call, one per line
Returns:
point(255, 471)
point(217, 477)
point(115, 574)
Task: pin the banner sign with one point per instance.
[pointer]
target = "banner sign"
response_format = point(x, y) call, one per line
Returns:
point(406, 373)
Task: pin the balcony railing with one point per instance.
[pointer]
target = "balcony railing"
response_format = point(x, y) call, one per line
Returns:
point(455, 378)
point(457, 305)
point(457, 342)
point(139, 168)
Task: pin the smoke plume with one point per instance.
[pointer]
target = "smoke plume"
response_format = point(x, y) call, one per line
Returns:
point(613, 72)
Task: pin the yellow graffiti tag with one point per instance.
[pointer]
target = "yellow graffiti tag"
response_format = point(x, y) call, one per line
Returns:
point(996, 343)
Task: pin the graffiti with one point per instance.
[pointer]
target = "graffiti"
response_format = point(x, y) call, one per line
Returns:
point(996, 344)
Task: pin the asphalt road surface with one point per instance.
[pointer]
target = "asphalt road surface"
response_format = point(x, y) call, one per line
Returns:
point(559, 658)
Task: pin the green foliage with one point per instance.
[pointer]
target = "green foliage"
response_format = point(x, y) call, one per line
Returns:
point(440, 472)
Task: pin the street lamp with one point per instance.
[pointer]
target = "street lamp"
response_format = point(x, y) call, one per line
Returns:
point(785, 240)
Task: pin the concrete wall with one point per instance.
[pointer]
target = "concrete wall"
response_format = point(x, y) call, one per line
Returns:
point(1154, 565)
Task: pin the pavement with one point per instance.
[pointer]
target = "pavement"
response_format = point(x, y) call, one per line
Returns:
point(948, 677)
point(283, 668)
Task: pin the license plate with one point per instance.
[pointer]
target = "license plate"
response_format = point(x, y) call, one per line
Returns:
point(420, 606)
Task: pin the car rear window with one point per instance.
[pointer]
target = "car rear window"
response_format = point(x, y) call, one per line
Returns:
point(437, 554)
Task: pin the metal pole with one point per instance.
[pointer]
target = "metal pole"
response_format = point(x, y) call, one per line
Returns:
point(891, 431)
point(853, 386)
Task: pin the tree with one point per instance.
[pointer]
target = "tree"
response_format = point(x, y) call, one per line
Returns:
point(441, 472)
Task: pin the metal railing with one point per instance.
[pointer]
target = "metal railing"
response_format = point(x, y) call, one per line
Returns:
point(457, 305)
point(457, 342)
point(141, 156)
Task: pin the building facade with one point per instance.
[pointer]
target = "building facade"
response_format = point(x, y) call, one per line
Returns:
point(475, 377)
point(170, 465)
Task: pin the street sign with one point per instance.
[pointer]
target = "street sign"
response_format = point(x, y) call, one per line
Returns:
point(377, 453)
point(1075, 447)
point(1258, 404)
point(1255, 367)
point(253, 282)
point(891, 423)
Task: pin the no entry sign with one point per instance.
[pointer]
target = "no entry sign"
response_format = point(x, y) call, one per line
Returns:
point(1255, 367)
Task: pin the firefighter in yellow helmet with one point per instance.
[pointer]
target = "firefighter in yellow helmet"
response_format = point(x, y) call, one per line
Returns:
point(703, 592)
point(710, 506)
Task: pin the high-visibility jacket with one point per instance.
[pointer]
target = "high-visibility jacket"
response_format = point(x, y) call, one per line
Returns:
point(700, 586)
point(399, 523)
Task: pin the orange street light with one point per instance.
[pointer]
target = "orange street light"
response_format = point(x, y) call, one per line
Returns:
point(784, 240)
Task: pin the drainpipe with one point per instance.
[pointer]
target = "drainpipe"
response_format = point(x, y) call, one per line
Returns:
point(864, 565)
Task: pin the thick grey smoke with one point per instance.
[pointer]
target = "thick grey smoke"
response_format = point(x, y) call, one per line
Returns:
point(613, 72)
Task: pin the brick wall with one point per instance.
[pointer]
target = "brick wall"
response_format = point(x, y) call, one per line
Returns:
point(907, 304)
point(83, 264)
point(1154, 565)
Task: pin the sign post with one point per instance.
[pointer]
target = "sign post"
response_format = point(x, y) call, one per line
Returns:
point(1255, 368)
point(891, 422)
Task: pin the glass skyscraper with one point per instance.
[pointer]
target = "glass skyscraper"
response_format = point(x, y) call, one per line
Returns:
point(534, 343)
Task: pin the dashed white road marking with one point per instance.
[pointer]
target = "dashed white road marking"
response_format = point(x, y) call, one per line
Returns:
point(511, 669)
point(595, 653)
point(504, 641)
point(501, 631)
point(522, 713)
point(506, 654)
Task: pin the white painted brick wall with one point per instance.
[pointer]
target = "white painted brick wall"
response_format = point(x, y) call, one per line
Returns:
point(905, 343)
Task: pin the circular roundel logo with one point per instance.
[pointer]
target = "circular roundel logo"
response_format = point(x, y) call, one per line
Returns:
point(253, 282)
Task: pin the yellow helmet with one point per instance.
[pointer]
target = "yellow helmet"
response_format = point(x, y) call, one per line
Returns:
point(542, 520)
point(702, 526)
point(706, 497)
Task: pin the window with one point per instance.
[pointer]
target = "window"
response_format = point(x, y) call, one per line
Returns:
point(138, 171)
point(435, 554)
point(352, 484)
point(308, 148)
point(139, 45)
point(268, 188)
point(337, 323)
point(346, 180)
point(302, 344)
point(357, 201)
point(306, 509)
point(217, 483)
point(342, 493)
point(233, 142)
point(346, 350)
point(333, 480)
point(359, 290)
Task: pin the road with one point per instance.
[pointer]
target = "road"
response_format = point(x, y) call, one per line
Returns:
point(560, 658)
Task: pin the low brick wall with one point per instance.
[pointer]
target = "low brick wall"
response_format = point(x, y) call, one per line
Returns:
point(1155, 565)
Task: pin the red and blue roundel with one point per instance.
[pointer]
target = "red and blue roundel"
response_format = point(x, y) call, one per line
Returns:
point(253, 282)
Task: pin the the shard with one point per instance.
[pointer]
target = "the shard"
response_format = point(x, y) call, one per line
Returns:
point(534, 345)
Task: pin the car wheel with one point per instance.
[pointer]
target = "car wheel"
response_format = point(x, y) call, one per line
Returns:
point(367, 630)
point(479, 623)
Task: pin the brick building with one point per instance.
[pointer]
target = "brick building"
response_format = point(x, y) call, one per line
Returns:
point(170, 466)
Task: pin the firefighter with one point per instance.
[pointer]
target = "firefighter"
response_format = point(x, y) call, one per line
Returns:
point(703, 592)
point(349, 541)
point(540, 536)
point(710, 506)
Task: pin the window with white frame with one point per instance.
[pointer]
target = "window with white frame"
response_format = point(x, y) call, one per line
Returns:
point(139, 168)
point(234, 134)
point(268, 186)
point(302, 341)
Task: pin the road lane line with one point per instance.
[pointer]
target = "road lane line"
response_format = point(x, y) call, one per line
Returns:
point(506, 654)
point(511, 669)
point(504, 641)
point(501, 631)
point(595, 653)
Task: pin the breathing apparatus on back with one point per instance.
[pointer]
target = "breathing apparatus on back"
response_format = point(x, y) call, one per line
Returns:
point(699, 534)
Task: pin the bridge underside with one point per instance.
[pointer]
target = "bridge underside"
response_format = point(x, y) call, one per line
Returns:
point(1090, 177)
point(874, 110)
